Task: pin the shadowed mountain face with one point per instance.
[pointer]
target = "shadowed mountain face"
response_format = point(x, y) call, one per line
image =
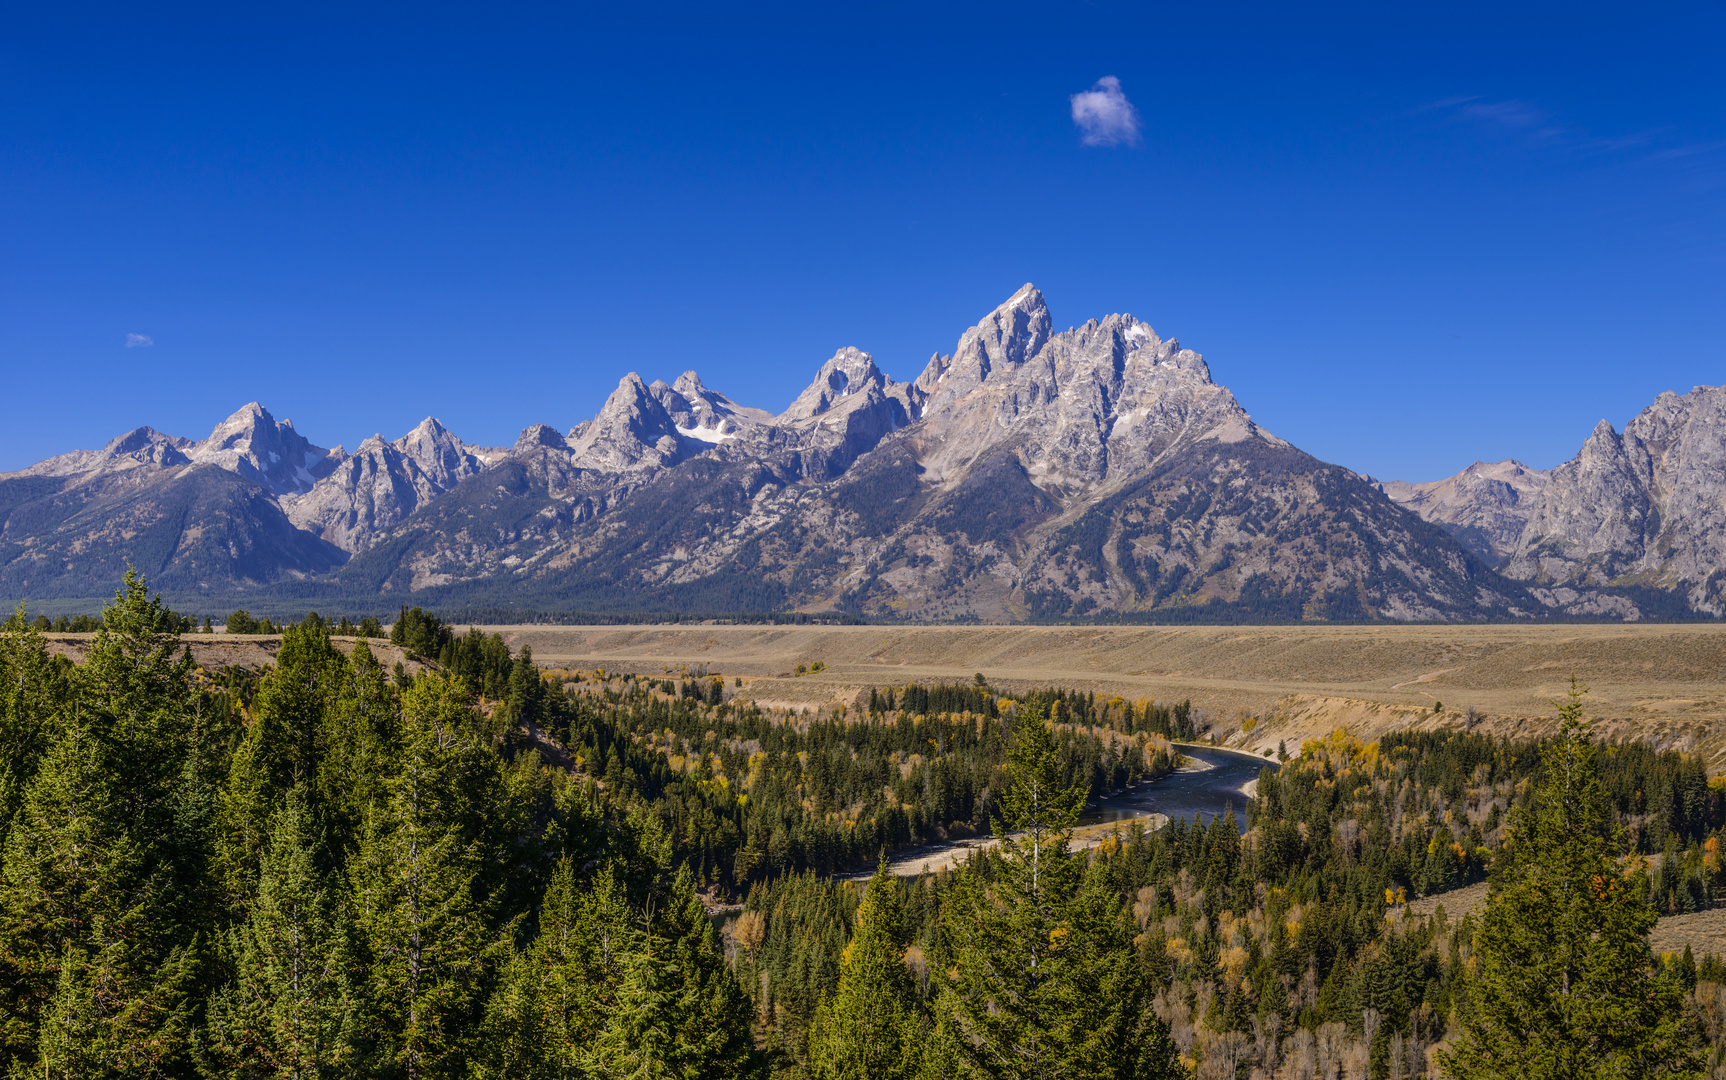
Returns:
point(1026, 474)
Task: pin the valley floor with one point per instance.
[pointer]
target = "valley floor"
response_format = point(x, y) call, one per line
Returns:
point(1257, 685)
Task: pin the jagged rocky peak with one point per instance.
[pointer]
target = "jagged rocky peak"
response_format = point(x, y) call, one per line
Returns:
point(706, 415)
point(254, 444)
point(443, 456)
point(540, 436)
point(1005, 338)
point(632, 431)
point(146, 445)
point(140, 446)
point(1646, 507)
point(1100, 400)
point(142, 437)
point(850, 372)
point(383, 482)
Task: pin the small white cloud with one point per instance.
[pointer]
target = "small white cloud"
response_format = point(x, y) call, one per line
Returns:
point(1104, 115)
point(138, 341)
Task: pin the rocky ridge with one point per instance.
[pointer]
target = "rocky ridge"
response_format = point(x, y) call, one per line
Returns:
point(1642, 509)
point(1633, 526)
point(1029, 473)
point(1025, 474)
point(1485, 506)
point(381, 483)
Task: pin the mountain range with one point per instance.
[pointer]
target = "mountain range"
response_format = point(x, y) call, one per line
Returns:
point(1634, 525)
point(1098, 472)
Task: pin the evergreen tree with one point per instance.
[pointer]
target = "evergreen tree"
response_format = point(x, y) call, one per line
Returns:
point(524, 704)
point(361, 723)
point(284, 743)
point(286, 1012)
point(1045, 983)
point(640, 1040)
point(1565, 984)
point(93, 969)
point(870, 1026)
point(33, 690)
point(141, 695)
point(555, 995)
point(426, 922)
point(679, 1010)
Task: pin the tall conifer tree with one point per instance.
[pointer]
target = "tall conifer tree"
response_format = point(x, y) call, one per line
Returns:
point(96, 942)
point(1566, 987)
point(554, 996)
point(286, 1012)
point(679, 1010)
point(1045, 983)
point(870, 1026)
point(33, 692)
point(424, 918)
point(284, 744)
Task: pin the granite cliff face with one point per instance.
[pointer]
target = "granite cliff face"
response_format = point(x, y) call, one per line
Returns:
point(1025, 474)
point(1645, 509)
point(1100, 471)
point(381, 483)
point(253, 444)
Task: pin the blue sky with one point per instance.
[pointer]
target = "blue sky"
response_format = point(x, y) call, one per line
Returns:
point(1406, 240)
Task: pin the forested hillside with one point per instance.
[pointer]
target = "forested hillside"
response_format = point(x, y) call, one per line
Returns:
point(486, 869)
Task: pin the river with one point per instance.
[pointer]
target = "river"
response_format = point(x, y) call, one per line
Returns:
point(1215, 780)
point(1212, 781)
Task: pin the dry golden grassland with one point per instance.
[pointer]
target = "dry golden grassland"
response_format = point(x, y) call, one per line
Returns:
point(1257, 685)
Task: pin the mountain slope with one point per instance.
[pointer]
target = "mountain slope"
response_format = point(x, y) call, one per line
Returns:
point(190, 528)
point(383, 482)
point(1642, 510)
point(1099, 471)
point(194, 516)
point(1485, 506)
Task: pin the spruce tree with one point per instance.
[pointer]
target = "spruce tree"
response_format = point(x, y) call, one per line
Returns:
point(95, 969)
point(141, 695)
point(1044, 981)
point(33, 691)
point(361, 725)
point(554, 996)
point(870, 1026)
point(426, 923)
point(286, 1011)
point(640, 1040)
point(679, 1009)
point(283, 744)
point(1565, 985)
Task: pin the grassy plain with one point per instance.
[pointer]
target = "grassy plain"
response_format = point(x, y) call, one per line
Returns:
point(1665, 683)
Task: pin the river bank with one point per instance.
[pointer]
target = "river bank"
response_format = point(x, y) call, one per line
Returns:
point(1213, 781)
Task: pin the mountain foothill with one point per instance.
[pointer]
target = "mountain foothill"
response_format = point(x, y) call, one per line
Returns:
point(1028, 475)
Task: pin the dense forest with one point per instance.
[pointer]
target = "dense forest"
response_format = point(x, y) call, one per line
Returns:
point(472, 867)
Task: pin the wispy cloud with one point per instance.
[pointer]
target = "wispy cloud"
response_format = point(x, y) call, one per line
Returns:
point(1699, 166)
point(1530, 121)
point(138, 341)
point(1513, 114)
point(1104, 115)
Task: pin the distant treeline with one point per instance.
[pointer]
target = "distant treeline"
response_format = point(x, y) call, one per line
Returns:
point(509, 616)
point(1063, 706)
